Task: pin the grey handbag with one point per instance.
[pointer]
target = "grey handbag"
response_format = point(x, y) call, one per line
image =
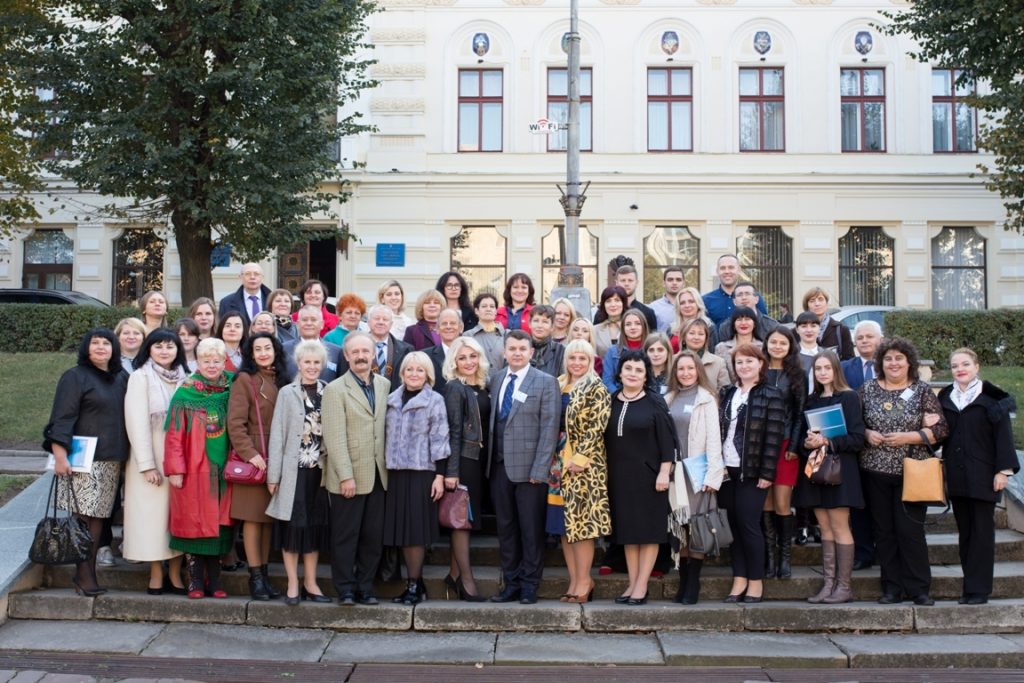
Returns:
point(709, 527)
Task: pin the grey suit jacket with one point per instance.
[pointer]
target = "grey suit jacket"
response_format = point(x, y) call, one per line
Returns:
point(283, 451)
point(531, 429)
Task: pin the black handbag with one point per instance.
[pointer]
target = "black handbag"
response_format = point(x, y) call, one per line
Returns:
point(709, 527)
point(60, 540)
point(824, 467)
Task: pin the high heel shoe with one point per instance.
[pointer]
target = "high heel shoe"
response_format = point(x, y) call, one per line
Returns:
point(87, 592)
point(291, 600)
point(464, 594)
point(635, 602)
point(736, 597)
point(451, 585)
point(581, 599)
point(313, 597)
point(622, 599)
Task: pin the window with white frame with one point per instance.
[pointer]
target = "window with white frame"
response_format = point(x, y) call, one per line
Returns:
point(670, 109)
point(480, 110)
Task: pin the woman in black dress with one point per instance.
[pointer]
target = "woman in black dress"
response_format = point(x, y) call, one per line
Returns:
point(641, 447)
point(832, 503)
point(979, 457)
point(469, 410)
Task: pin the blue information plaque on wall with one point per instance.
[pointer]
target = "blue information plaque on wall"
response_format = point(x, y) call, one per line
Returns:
point(220, 256)
point(391, 255)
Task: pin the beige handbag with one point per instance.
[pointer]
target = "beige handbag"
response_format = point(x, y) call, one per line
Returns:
point(923, 480)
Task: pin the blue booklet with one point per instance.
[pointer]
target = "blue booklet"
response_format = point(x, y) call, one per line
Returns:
point(696, 470)
point(828, 421)
point(80, 457)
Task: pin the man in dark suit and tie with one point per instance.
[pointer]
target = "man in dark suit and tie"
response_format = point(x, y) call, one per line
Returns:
point(388, 351)
point(251, 297)
point(867, 335)
point(525, 407)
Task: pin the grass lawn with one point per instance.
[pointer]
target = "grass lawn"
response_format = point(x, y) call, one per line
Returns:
point(1010, 380)
point(12, 484)
point(28, 381)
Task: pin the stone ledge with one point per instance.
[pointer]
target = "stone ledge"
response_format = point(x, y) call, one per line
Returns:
point(412, 648)
point(436, 615)
point(751, 649)
point(660, 616)
point(383, 617)
point(931, 651)
point(804, 617)
point(50, 604)
point(1001, 617)
point(169, 608)
point(535, 648)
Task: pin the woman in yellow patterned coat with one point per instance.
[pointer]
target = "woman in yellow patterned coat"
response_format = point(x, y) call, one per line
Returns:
point(579, 486)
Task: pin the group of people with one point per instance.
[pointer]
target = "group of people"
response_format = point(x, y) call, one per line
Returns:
point(359, 424)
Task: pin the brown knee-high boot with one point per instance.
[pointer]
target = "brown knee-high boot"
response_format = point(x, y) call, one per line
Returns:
point(828, 569)
point(843, 592)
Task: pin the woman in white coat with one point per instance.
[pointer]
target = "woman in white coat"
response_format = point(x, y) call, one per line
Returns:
point(694, 410)
point(298, 503)
point(160, 369)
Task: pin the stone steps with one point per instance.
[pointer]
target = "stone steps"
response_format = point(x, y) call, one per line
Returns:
point(601, 616)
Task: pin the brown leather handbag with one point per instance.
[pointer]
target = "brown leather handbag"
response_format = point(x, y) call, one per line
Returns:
point(824, 467)
point(454, 510)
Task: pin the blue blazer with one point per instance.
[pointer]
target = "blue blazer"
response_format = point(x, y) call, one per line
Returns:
point(853, 370)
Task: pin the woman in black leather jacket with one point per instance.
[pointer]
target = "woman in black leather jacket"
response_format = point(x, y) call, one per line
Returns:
point(469, 405)
point(752, 415)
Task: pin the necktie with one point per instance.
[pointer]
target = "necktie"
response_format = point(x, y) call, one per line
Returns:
point(382, 356)
point(254, 306)
point(869, 371)
point(506, 398)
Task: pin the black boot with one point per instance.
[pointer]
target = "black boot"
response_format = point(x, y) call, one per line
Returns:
point(693, 582)
point(771, 544)
point(684, 569)
point(786, 525)
point(274, 595)
point(803, 535)
point(258, 584)
point(195, 567)
point(213, 585)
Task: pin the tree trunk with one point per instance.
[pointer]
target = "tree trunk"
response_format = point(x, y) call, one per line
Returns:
point(194, 247)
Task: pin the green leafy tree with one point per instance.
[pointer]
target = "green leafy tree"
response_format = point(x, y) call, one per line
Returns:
point(985, 38)
point(217, 116)
point(19, 171)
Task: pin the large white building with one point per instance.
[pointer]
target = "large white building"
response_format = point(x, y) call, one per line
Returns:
point(792, 132)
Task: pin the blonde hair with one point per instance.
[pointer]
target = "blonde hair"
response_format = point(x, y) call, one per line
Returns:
point(702, 376)
point(309, 347)
point(589, 325)
point(813, 293)
point(385, 286)
point(421, 359)
point(966, 352)
point(144, 301)
point(572, 312)
point(211, 346)
point(702, 311)
point(450, 371)
point(265, 314)
point(425, 297)
point(576, 346)
point(134, 323)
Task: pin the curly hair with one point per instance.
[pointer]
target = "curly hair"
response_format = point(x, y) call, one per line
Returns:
point(902, 345)
point(639, 356)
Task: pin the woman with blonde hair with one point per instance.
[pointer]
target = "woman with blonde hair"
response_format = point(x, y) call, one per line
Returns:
point(694, 410)
point(130, 332)
point(582, 328)
point(689, 307)
point(565, 315)
point(578, 508)
point(154, 310)
point(424, 333)
point(468, 404)
point(391, 294)
point(832, 334)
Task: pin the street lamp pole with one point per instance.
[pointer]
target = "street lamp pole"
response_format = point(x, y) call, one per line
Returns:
point(570, 275)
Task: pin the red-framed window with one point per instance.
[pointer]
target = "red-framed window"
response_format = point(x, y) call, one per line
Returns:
point(862, 94)
point(954, 122)
point(481, 95)
point(558, 108)
point(670, 109)
point(762, 109)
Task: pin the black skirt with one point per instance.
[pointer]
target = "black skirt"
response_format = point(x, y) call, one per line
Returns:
point(847, 494)
point(307, 530)
point(410, 516)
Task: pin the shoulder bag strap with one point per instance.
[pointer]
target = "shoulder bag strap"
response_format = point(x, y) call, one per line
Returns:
point(259, 418)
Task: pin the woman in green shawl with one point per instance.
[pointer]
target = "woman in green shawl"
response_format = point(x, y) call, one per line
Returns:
point(195, 450)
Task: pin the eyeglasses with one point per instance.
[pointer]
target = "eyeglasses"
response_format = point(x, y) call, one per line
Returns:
point(452, 285)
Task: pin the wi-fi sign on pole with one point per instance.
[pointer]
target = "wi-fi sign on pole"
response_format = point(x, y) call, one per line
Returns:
point(543, 126)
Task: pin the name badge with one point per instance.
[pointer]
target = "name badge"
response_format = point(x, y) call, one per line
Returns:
point(907, 394)
point(688, 409)
point(519, 396)
point(333, 367)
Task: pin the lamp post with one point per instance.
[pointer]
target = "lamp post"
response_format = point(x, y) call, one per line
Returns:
point(570, 275)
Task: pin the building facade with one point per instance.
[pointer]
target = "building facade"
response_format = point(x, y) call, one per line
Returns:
point(793, 133)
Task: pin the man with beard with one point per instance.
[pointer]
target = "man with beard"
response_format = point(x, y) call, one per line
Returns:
point(355, 474)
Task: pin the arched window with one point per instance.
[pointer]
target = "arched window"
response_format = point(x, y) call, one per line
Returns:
point(866, 271)
point(138, 265)
point(551, 260)
point(766, 256)
point(49, 261)
point(478, 254)
point(958, 269)
point(670, 245)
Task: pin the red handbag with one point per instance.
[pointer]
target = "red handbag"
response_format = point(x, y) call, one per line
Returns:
point(240, 471)
point(454, 511)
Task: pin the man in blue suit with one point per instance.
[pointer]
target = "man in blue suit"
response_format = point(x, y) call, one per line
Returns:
point(867, 335)
point(525, 408)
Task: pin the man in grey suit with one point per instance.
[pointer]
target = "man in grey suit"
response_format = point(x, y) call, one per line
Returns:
point(525, 406)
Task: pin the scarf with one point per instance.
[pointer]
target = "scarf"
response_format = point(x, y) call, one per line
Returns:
point(964, 398)
point(199, 395)
point(157, 379)
point(283, 321)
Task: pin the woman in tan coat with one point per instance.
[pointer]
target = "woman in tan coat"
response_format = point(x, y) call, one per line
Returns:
point(161, 369)
point(250, 412)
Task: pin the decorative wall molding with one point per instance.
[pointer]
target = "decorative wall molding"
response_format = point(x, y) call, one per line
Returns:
point(717, 2)
point(396, 70)
point(397, 104)
point(813, 2)
point(524, 2)
point(398, 35)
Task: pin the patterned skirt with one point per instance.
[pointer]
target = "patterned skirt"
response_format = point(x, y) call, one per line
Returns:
point(94, 491)
point(587, 513)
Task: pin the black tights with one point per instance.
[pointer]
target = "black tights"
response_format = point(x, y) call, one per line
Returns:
point(414, 556)
point(85, 573)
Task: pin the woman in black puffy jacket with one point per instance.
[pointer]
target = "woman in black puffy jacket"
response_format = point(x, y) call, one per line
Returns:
point(752, 415)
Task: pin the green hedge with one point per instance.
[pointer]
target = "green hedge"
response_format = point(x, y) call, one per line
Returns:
point(996, 335)
point(52, 327)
